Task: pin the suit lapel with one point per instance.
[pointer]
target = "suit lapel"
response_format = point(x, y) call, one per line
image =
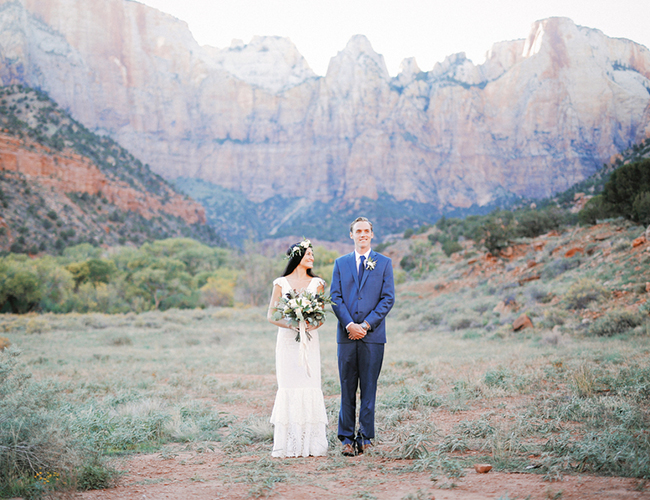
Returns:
point(352, 262)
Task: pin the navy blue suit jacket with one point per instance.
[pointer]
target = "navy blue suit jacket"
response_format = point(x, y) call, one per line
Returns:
point(370, 300)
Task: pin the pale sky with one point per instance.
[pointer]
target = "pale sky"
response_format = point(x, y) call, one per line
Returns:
point(428, 30)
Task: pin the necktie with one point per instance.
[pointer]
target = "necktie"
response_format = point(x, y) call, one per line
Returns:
point(361, 267)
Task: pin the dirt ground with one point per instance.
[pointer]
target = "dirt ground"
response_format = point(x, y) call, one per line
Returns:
point(202, 472)
point(200, 476)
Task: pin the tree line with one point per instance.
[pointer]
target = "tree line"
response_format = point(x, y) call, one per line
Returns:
point(164, 274)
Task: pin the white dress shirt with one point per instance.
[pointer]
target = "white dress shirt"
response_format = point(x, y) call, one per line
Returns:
point(357, 257)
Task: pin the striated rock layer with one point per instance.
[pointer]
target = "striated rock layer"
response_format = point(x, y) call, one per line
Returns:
point(538, 116)
point(71, 173)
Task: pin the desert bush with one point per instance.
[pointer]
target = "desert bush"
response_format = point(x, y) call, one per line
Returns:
point(560, 266)
point(461, 323)
point(612, 440)
point(531, 223)
point(641, 208)
point(419, 260)
point(36, 325)
point(597, 208)
point(450, 246)
point(629, 184)
point(438, 462)
point(39, 450)
point(411, 397)
point(615, 322)
point(496, 232)
point(479, 428)
point(621, 245)
point(414, 441)
point(499, 377)
point(247, 433)
point(583, 292)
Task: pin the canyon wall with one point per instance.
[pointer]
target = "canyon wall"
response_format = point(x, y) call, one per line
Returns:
point(538, 116)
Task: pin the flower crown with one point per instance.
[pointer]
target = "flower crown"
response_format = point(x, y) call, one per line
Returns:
point(299, 248)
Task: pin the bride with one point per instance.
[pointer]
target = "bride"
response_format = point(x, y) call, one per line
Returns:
point(299, 418)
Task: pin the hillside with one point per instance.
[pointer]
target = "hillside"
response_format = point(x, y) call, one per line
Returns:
point(62, 185)
point(592, 281)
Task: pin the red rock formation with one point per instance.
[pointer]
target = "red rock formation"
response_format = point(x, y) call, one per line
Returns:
point(70, 172)
point(572, 251)
point(522, 322)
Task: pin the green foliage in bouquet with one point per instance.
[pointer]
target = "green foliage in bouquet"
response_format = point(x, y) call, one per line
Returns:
point(305, 306)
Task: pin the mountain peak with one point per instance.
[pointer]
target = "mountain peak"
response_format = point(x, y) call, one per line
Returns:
point(270, 62)
point(359, 54)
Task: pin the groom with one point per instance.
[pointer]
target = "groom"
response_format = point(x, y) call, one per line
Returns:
point(363, 292)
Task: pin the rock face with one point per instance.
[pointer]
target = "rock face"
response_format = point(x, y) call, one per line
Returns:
point(71, 173)
point(538, 116)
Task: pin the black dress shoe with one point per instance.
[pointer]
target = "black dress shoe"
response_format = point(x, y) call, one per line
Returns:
point(362, 448)
point(348, 450)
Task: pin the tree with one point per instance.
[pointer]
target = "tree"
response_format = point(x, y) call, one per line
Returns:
point(91, 271)
point(625, 185)
point(162, 279)
point(20, 290)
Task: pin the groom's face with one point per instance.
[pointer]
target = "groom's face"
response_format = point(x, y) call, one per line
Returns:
point(362, 236)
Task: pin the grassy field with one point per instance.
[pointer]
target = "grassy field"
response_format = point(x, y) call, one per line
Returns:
point(458, 386)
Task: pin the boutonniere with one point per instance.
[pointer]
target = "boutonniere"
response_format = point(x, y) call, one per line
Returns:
point(370, 263)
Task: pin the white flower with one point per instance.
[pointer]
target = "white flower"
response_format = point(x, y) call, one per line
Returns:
point(370, 263)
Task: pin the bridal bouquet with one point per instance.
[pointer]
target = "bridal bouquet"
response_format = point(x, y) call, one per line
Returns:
point(301, 309)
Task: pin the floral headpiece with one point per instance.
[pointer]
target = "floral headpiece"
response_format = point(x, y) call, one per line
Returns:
point(299, 248)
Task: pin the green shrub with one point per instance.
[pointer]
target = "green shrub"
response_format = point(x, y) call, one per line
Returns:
point(39, 452)
point(559, 266)
point(411, 398)
point(450, 246)
point(625, 184)
point(596, 209)
point(461, 323)
point(583, 292)
point(641, 208)
point(96, 475)
point(500, 377)
point(532, 223)
point(615, 323)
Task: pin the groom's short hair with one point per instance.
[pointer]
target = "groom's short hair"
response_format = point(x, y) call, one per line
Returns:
point(359, 219)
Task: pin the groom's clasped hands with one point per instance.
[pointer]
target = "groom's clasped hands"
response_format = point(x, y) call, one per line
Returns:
point(356, 331)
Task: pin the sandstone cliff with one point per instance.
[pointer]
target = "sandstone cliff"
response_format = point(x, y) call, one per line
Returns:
point(538, 116)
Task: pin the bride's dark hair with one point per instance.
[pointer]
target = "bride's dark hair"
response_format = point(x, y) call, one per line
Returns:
point(295, 253)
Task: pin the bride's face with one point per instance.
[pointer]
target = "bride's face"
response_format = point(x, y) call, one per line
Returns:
point(308, 259)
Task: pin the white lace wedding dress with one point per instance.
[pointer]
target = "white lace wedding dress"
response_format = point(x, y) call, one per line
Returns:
point(299, 417)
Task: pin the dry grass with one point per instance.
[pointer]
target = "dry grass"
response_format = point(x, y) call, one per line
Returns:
point(457, 386)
